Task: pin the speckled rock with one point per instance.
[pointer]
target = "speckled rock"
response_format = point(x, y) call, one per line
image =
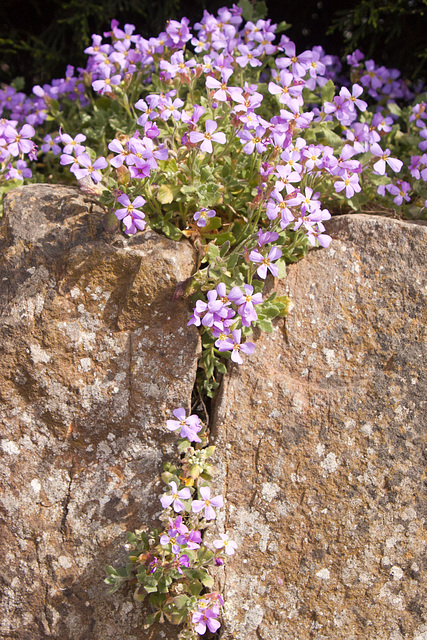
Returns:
point(94, 356)
point(323, 447)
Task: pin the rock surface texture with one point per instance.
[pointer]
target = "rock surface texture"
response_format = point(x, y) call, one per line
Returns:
point(321, 437)
point(94, 356)
point(325, 441)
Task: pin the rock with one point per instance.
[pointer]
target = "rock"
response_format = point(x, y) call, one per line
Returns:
point(94, 357)
point(322, 448)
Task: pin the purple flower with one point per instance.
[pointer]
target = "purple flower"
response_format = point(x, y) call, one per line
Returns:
point(189, 426)
point(349, 182)
point(209, 313)
point(179, 32)
point(72, 145)
point(172, 538)
point(266, 262)
point(202, 215)
point(206, 618)
point(245, 302)
point(182, 561)
point(352, 98)
point(207, 503)
point(19, 142)
point(132, 217)
point(265, 237)
point(175, 497)
point(233, 344)
point(400, 191)
point(229, 545)
point(380, 165)
point(20, 172)
point(182, 534)
point(253, 140)
point(51, 144)
point(106, 83)
point(207, 137)
point(89, 168)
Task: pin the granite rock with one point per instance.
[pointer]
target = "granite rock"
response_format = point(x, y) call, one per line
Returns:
point(322, 448)
point(94, 357)
point(321, 436)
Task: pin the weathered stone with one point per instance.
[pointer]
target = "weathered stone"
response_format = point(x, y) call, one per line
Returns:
point(94, 356)
point(322, 448)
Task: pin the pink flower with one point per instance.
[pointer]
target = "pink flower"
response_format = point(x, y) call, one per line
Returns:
point(205, 618)
point(175, 498)
point(233, 344)
point(229, 545)
point(207, 503)
point(189, 426)
point(207, 137)
point(132, 217)
point(266, 262)
point(380, 165)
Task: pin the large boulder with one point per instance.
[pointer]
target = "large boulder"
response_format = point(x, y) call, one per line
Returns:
point(94, 357)
point(321, 438)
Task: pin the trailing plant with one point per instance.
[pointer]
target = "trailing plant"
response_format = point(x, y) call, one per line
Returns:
point(171, 567)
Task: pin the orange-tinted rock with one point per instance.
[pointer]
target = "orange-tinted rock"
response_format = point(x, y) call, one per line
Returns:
point(322, 446)
point(94, 357)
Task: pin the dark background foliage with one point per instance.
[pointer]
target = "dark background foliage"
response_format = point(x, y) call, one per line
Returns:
point(38, 39)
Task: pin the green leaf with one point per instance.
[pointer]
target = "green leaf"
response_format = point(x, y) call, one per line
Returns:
point(221, 367)
point(151, 619)
point(163, 584)
point(282, 26)
point(287, 305)
point(171, 231)
point(132, 538)
point(167, 193)
point(183, 445)
point(214, 223)
point(247, 10)
point(213, 251)
point(157, 599)
point(207, 581)
point(330, 137)
point(224, 247)
point(195, 587)
point(187, 189)
point(204, 555)
point(328, 91)
point(394, 109)
point(182, 601)
point(222, 238)
point(281, 265)
point(265, 325)
point(139, 594)
point(260, 11)
point(149, 582)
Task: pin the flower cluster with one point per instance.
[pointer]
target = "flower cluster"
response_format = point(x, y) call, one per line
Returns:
point(225, 134)
point(172, 566)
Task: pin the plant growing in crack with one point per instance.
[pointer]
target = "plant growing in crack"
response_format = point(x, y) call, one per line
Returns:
point(230, 139)
point(172, 567)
